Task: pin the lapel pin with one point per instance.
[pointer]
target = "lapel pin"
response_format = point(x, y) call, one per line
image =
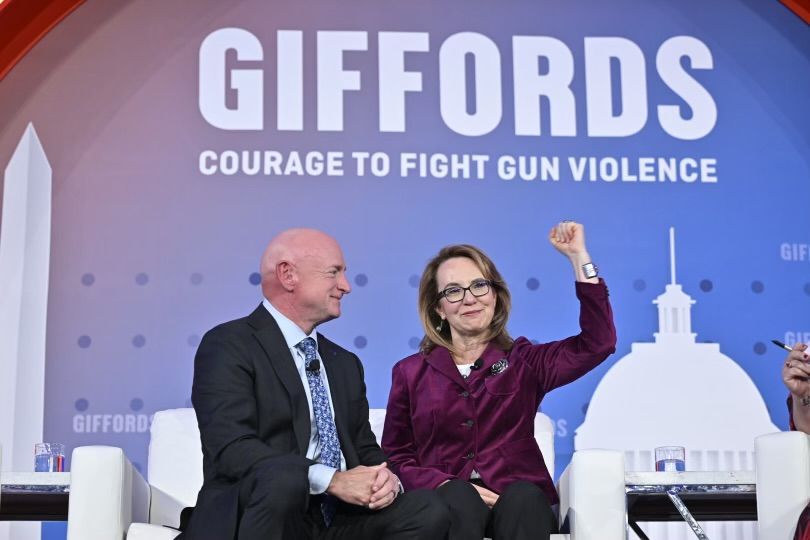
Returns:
point(499, 366)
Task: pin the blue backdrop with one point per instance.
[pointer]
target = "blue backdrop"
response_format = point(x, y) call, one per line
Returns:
point(155, 241)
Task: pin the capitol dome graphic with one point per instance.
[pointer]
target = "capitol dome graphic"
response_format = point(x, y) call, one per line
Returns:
point(676, 391)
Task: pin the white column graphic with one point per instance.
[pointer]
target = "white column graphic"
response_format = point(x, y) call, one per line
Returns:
point(25, 244)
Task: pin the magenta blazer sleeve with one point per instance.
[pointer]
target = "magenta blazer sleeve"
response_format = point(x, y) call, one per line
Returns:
point(398, 439)
point(560, 362)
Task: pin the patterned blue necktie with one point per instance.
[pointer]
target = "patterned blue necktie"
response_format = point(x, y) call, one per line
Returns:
point(327, 432)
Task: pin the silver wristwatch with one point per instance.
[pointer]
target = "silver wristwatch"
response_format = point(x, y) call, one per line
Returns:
point(590, 270)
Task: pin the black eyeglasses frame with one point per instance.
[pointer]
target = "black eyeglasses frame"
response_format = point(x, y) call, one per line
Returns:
point(443, 294)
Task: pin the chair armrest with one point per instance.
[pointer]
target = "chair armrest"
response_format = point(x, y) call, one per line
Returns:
point(592, 495)
point(144, 531)
point(783, 482)
point(106, 494)
point(165, 509)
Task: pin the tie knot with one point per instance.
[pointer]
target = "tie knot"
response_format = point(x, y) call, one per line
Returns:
point(307, 346)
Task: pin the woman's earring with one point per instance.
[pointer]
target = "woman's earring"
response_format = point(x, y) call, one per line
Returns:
point(440, 326)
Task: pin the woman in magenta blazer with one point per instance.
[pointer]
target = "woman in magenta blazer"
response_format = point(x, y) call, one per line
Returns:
point(461, 411)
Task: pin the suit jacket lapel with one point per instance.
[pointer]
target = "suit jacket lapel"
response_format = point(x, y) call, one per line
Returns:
point(272, 341)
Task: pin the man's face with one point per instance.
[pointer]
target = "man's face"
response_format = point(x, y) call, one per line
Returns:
point(321, 282)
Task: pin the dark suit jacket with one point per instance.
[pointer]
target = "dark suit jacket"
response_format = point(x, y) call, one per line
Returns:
point(440, 426)
point(251, 406)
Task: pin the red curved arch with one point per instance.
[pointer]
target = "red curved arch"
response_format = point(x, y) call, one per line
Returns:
point(24, 22)
point(800, 8)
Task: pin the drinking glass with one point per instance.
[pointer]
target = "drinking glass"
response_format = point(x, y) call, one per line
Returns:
point(670, 458)
point(49, 457)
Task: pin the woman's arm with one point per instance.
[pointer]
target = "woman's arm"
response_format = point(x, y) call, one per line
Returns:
point(398, 439)
point(560, 362)
point(796, 376)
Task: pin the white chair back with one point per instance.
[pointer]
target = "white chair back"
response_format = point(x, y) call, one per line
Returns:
point(175, 454)
point(783, 482)
point(544, 433)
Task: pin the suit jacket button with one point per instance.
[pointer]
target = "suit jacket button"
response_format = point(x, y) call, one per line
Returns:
point(469, 423)
point(469, 455)
point(465, 394)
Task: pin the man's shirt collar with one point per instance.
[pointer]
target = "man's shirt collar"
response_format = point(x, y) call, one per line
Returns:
point(292, 333)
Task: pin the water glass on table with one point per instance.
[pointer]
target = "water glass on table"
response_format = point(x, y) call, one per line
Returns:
point(49, 457)
point(670, 459)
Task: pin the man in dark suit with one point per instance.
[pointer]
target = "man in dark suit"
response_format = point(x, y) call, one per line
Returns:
point(288, 452)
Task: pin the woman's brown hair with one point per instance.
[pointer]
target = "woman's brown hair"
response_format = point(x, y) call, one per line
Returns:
point(429, 299)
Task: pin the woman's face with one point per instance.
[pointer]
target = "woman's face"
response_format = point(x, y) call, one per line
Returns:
point(472, 315)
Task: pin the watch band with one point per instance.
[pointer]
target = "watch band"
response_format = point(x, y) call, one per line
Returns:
point(590, 270)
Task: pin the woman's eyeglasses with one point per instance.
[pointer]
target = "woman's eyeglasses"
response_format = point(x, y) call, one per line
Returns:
point(477, 288)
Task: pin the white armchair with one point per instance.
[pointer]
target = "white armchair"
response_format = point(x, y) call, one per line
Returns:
point(110, 500)
point(783, 482)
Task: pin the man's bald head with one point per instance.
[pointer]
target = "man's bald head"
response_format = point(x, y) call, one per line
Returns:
point(301, 268)
point(293, 245)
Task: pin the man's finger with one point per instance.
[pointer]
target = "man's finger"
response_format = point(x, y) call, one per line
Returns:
point(375, 501)
point(383, 487)
point(383, 475)
point(379, 480)
point(385, 501)
point(379, 494)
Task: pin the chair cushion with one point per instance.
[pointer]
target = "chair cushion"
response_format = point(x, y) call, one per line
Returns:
point(142, 531)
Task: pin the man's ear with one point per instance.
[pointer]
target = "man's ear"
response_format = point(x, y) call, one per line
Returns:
point(286, 275)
